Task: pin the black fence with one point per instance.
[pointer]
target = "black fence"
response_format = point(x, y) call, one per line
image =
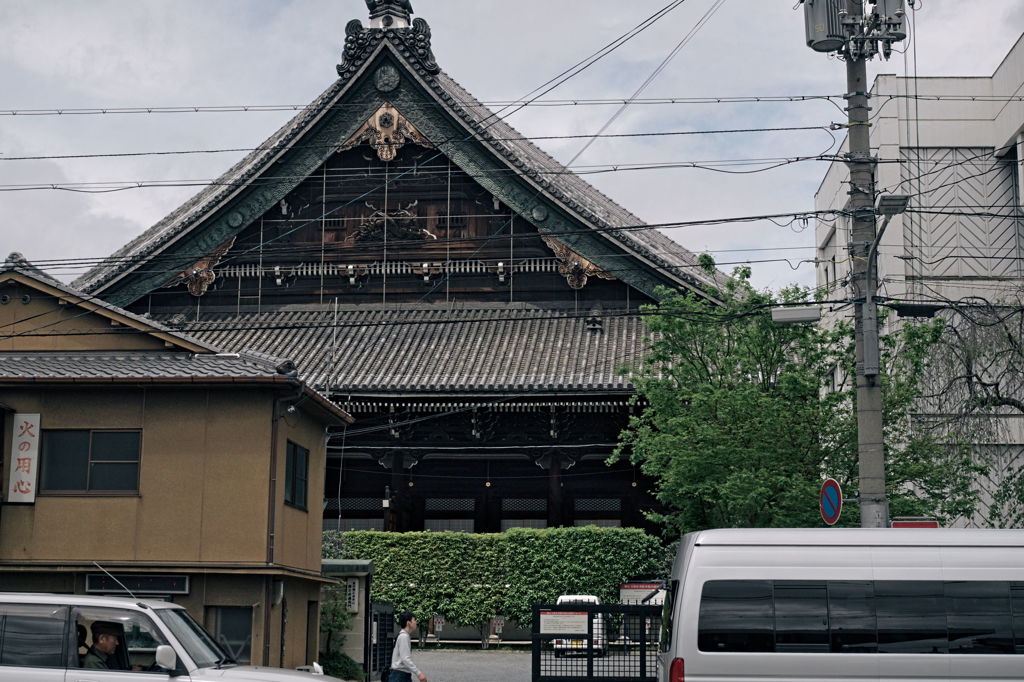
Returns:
point(380, 640)
point(608, 642)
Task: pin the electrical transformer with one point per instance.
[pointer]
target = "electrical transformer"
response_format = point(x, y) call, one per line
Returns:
point(824, 26)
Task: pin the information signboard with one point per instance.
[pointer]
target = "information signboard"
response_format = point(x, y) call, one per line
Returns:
point(563, 622)
point(21, 485)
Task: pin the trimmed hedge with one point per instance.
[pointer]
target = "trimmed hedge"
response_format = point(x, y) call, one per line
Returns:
point(468, 578)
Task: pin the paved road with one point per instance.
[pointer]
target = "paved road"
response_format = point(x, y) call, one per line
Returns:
point(448, 665)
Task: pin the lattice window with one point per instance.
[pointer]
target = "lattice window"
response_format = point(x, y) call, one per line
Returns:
point(366, 504)
point(524, 504)
point(450, 504)
point(523, 523)
point(598, 504)
point(453, 525)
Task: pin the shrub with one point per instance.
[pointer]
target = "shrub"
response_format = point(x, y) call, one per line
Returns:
point(468, 578)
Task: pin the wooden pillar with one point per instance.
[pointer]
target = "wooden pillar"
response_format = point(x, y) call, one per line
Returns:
point(555, 516)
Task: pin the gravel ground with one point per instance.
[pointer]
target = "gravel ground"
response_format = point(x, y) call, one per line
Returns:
point(449, 665)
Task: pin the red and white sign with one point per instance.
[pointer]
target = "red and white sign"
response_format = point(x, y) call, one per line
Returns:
point(635, 593)
point(915, 523)
point(563, 622)
point(21, 486)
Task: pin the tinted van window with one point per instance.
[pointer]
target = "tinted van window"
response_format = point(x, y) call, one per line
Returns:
point(737, 615)
point(801, 616)
point(851, 610)
point(33, 635)
point(911, 617)
point(978, 617)
point(837, 616)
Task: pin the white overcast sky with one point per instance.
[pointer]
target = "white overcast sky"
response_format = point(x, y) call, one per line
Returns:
point(136, 53)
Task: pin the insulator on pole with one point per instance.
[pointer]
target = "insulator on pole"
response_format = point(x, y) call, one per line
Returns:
point(825, 32)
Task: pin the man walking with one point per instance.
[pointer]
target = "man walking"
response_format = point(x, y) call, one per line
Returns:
point(402, 667)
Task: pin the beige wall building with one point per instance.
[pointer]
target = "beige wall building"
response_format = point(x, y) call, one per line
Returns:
point(954, 146)
point(132, 451)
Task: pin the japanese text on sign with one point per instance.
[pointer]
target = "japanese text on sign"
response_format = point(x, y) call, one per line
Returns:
point(24, 459)
point(563, 622)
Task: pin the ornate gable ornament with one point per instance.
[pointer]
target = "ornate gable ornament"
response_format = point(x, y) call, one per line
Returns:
point(399, 224)
point(388, 19)
point(386, 131)
point(200, 275)
point(575, 268)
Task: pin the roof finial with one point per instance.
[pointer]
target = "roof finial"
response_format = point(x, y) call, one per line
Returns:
point(389, 13)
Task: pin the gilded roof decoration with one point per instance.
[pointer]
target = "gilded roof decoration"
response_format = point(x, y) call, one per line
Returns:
point(386, 131)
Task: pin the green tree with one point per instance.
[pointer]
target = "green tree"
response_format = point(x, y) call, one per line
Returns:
point(745, 417)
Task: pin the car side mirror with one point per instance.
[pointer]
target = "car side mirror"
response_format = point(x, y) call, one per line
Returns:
point(165, 657)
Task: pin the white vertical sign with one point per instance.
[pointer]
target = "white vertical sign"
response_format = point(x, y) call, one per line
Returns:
point(24, 459)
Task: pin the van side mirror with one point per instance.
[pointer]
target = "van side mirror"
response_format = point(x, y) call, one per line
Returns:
point(165, 657)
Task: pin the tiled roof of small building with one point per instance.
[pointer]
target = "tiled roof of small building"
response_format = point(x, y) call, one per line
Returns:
point(101, 366)
point(430, 350)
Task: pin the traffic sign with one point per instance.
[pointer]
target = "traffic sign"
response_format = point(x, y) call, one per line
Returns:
point(830, 502)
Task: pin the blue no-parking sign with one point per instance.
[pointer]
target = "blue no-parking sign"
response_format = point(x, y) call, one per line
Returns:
point(830, 501)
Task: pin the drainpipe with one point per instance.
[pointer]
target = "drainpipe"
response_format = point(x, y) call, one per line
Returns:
point(268, 589)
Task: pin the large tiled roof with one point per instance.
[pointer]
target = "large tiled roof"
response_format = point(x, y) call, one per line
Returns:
point(601, 212)
point(103, 366)
point(430, 350)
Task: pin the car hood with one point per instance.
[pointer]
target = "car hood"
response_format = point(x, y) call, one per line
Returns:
point(255, 673)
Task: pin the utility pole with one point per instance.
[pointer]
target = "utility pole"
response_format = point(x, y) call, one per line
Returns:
point(843, 26)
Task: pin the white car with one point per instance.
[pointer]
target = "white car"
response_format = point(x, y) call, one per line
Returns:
point(599, 644)
point(45, 638)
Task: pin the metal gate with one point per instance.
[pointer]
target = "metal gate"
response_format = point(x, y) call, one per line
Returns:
point(380, 638)
point(608, 642)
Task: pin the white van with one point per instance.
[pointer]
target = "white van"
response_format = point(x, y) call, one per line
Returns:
point(599, 644)
point(46, 638)
point(845, 604)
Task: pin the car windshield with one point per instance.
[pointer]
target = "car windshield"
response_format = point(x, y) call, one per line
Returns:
point(197, 642)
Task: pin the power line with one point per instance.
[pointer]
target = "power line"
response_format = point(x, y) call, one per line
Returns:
point(107, 186)
point(679, 133)
point(576, 102)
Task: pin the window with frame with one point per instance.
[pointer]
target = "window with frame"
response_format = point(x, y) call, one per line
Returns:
point(33, 635)
point(231, 627)
point(296, 476)
point(94, 461)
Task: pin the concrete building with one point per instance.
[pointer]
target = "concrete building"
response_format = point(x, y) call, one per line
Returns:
point(954, 146)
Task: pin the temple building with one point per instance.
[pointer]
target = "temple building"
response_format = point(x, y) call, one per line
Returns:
point(469, 300)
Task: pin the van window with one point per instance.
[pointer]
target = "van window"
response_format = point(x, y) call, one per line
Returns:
point(889, 617)
point(736, 615)
point(911, 617)
point(851, 614)
point(979, 618)
point(800, 617)
point(1017, 605)
point(33, 635)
